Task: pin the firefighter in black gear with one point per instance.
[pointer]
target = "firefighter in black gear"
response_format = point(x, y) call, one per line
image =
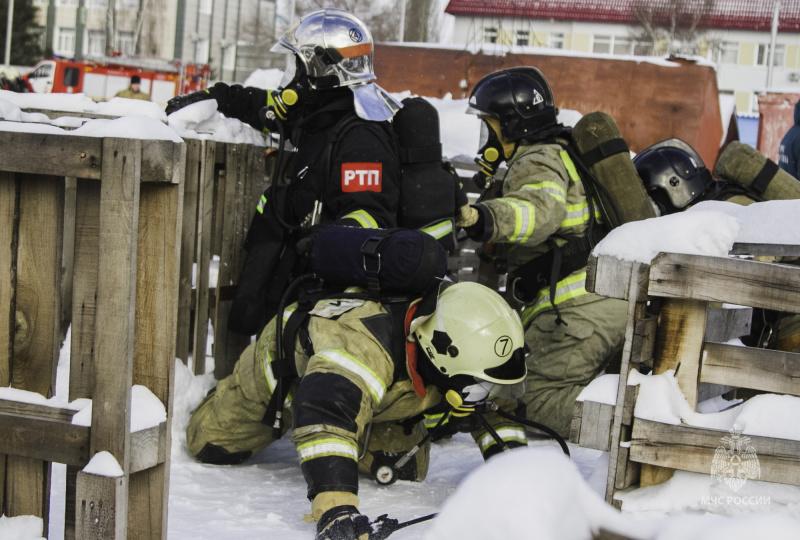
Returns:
point(326, 94)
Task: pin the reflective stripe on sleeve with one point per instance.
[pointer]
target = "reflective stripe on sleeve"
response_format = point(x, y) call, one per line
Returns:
point(327, 447)
point(578, 214)
point(551, 188)
point(354, 366)
point(506, 434)
point(571, 287)
point(363, 218)
point(570, 166)
point(261, 204)
point(524, 218)
point(440, 229)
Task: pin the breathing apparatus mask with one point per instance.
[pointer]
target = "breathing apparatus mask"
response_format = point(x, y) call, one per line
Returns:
point(492, 152)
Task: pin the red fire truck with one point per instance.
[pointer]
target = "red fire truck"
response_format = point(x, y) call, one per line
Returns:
point(101, 78)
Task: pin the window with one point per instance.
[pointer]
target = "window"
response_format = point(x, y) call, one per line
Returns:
point(762, 56)
point(71, 76)
point(229, 58)
point(125, 42)
point(66, 3)
point(728, 53)
point(602, 44)
point(523, 37)
point(65, 44)
point(201, 51)
point(206, 6)
point(490, 35)
point(97, 43)
point(622, 45)
point(556, 41)
point(643, 48)
point(97, 3)
point(42, 72)
point(126, 4)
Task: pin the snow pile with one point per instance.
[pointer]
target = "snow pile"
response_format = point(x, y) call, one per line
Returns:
point(770, 415)
point(539, 493)
point(135, 126)
point(525, 493)
point(603, 389)
point(21, 528)
point(146, 410)
point(202, 121)
point(694, 233)
point(104, 464)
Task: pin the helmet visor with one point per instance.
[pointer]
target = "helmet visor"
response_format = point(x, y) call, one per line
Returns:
point(484, 390)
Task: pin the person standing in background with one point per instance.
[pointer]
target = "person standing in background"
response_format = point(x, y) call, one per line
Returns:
point(789, 151)
point(134, 91)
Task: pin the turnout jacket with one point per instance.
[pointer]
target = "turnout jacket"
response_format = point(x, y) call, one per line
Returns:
point(543, 199)
point(349, 377)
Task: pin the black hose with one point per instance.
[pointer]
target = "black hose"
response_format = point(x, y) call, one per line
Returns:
point(536, 425)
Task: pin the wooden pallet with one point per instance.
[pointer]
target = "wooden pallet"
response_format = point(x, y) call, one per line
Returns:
point(684, 335)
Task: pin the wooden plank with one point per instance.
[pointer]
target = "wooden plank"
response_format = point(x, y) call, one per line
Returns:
point(644, 340)
point(774, 250)
point(52, 154)
point(725, 324)
point(162, 161)
point(681, 328)
point(596, 425)
point(116, 295)
point(68, 259)
point(158, 261)
point(692, 449)
point(736, 281)
point(203, 254)
point(44, 439)
point(36, 410)
point(575, 425)
point(234, 203)
point(9, 216)
point(51, 436)
point(69, 501)
point(38, 302)
point(84, 290)
point(637, 306)
point(747, 367)
point(98, 503)
point(186, 296)
point(609, 276)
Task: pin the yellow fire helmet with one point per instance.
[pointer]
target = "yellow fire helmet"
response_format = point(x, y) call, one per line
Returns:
point(475, 343)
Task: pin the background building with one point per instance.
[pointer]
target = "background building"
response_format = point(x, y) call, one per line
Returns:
point(734, 34)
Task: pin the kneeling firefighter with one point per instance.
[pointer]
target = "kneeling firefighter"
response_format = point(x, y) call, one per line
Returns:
point(543, 227)
point(676, 178)
point(360, 374)
point(345, 166)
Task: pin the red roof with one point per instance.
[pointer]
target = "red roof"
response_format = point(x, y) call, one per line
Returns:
point(726, 14)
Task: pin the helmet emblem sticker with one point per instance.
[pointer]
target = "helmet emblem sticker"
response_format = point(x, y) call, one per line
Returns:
point(356, 35)
point(537, 97)
point(503, 346)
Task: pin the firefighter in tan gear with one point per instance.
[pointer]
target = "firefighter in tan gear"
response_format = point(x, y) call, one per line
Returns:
point(676, 178)
point(365, 374)
point(540, 227)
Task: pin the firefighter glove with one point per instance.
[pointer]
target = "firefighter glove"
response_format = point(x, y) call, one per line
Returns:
point(346, 523)
point(467, 216)
point(179, 102)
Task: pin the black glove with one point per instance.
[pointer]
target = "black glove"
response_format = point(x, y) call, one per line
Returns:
point(179, 102)
point(346, 523)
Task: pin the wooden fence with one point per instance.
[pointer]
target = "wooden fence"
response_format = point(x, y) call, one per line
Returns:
point(118, 234)
point(679, 332)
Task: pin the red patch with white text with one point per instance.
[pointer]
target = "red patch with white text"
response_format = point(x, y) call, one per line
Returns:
point(362, 177)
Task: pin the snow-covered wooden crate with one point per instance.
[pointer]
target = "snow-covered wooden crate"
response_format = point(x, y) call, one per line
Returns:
point(123, 237)
point(679, 287)
point(224, 182)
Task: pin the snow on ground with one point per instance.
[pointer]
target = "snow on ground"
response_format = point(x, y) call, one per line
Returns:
point(528, 493)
